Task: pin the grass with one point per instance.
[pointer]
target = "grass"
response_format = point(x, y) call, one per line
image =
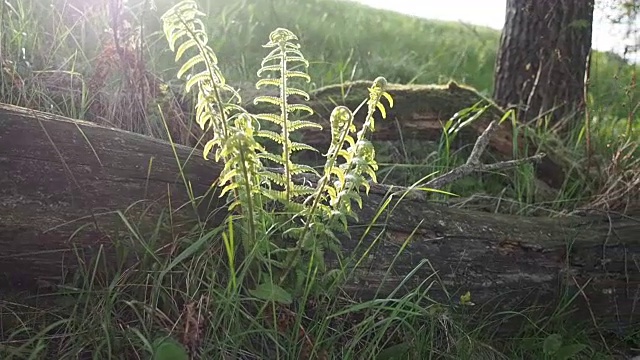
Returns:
point(424, 51)
point(59, 61)
point(85, 76)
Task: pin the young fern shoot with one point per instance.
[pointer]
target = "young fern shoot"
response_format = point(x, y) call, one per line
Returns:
point(284, 54)
point(359, 159)
point(232, 126)
point(320, 211)
point(348, 177)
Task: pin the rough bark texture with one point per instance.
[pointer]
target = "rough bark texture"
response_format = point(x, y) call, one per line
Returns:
point(543, 55)
point(57, 175)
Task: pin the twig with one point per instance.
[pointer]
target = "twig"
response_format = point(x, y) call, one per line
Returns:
point(473, 163)
point(453, 175)
point(481, 144)
point(471, 166)
point(467, 169)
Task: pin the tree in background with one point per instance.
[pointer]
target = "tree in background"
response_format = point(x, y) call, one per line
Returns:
point(543, 58)
point(624, 14)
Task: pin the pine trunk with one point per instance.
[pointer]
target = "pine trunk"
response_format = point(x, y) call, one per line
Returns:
point(543, 57)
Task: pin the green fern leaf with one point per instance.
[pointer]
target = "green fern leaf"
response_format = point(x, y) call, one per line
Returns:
point(189, 64)
point(188, 44)
point(195, 80)
point(298, 74)
point(270, 117)
point(268, 82)
point(273, 157)
point(268, 99)
point(382, 110)
point(294, 91)
point(303, 168)
point(269, 68)
point(299, 107)
point(296, 146)
point(270, 135)
point(300, 124)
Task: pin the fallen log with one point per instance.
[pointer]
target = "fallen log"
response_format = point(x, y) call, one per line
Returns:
point(63, 181)
point(59, 175)
point(420, 112)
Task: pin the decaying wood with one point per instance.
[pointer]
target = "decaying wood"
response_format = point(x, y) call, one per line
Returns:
point(57, 175)
point(61, 182)
point(420, 112)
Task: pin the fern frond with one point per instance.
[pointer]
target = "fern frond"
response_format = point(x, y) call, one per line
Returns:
point(265, 68)
point(299, 169)
point(360, 155)
point(273, 118)
point(274, 177)
point(271, 135)
point(268, 99)
point(300, 192)
point(218, 111)
point(268, 82)
point(277, 63)
point(271, 157)
point(255, 190)
point(301, 124)
point(297, 146)
point(299, 107)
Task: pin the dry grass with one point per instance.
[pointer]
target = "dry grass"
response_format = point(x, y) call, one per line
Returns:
point(620, 191)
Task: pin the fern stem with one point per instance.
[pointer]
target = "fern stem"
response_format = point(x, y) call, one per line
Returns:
point(361, 134)
point(285, 118)
point(318, 196)
point(203, 49)
point(249, 202)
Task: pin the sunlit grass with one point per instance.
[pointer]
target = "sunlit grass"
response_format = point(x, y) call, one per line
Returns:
point(188, 294)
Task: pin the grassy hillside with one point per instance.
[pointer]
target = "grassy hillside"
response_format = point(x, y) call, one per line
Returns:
point(343, 40)
point(347, 40)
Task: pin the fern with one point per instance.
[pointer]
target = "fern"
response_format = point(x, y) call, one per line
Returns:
point(278, 62)
point(232, 126)
point(359, 158)
point(348, 177)
point(319, 213)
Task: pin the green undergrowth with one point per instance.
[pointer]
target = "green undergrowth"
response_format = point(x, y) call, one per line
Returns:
point(423, 51)
point(172, 304)
point(57, 57)
point(271, 281)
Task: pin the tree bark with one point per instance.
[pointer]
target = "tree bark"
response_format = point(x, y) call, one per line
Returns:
point(63, 181)
point(543, 55)
point(58, 175)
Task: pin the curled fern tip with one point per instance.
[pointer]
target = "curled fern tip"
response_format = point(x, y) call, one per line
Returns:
point(280, 36)
point(380, 82)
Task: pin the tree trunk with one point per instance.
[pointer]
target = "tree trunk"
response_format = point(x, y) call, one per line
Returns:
point(543, 54)
point(62, 183)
